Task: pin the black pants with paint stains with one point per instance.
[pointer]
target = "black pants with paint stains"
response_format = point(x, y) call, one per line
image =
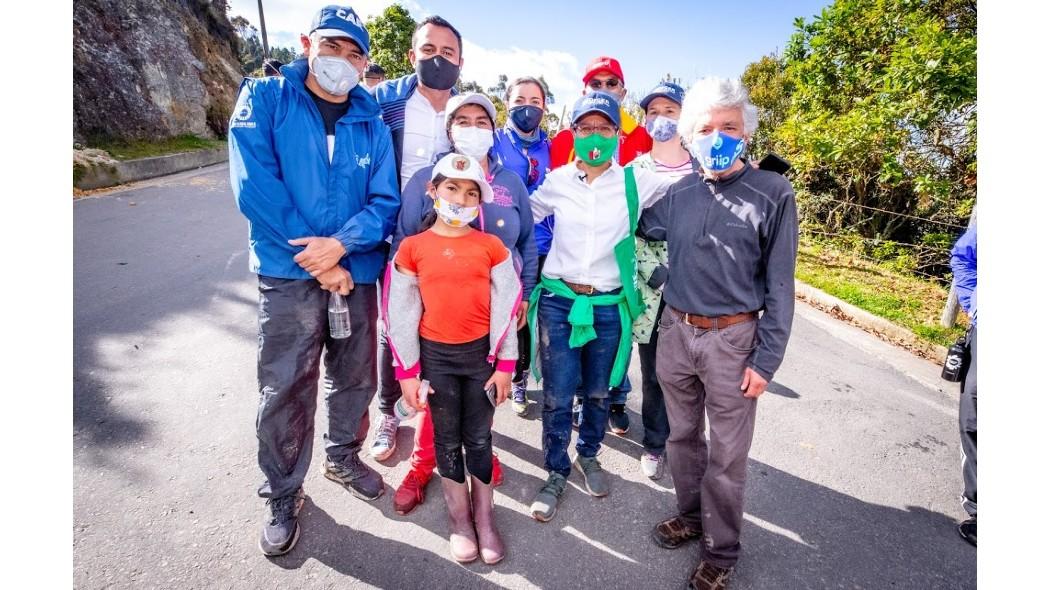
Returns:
point(461, 411)
point(293, 342)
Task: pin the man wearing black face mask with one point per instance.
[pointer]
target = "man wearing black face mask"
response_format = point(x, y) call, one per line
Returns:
point(413, 106)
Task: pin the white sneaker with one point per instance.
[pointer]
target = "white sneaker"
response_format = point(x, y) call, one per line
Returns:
point(519, 401)
point(386, 437)
point(652, 465)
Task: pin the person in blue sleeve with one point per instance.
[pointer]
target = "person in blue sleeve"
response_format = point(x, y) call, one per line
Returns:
point(524, 149)
point(964, 273)
point(312, 168)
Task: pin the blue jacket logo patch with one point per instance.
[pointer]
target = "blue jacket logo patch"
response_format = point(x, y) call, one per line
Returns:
point(242, 117)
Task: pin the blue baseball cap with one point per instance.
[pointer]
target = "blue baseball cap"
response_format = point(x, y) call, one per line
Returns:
point(597, 102)
point(668, 90)
point(340, 21)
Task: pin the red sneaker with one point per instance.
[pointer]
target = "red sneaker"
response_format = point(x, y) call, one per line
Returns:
point(411, 492)
point(497, 472)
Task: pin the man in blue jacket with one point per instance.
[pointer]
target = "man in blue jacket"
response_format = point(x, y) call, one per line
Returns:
point(312, 168)
point(414, 108)
point(964, 271)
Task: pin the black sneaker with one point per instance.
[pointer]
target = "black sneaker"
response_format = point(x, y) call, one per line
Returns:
point(968, 530)
point(619, 423)
point(281, 525)
point(358, 479)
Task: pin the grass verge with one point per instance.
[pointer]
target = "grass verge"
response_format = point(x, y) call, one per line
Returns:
point(907, 301)
point(133, 150)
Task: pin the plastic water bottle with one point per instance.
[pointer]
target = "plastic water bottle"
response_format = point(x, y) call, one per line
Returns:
point(338, 316)
point(404, 411)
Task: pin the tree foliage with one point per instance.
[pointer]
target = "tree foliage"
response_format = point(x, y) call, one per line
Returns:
point(250, 49)
point(875, 104)
point(390, 37)
point(771, 92)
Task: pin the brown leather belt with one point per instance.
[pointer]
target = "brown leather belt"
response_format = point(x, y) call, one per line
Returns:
point(580, 289)
point(707, 323)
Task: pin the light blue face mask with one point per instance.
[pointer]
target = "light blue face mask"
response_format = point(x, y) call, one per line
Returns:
point(716, 151)
point(661, 128)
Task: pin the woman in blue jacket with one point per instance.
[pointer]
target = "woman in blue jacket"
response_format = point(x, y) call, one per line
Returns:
point(524, 149)
point(469, 119)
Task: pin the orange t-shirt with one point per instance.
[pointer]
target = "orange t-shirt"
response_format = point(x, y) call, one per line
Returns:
point(454, 278)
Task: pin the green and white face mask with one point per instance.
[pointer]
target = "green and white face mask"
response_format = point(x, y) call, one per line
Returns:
point(594, 149)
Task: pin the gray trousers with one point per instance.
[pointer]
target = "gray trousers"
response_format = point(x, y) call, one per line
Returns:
point(968, 428)
point(700, 372)
point(293, 333)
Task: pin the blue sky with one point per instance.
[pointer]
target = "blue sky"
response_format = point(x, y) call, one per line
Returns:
point(686, 39)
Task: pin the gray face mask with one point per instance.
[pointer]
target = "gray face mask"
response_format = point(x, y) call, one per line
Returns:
point(334, 74)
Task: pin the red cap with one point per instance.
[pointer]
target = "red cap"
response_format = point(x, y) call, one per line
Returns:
point(603, 64)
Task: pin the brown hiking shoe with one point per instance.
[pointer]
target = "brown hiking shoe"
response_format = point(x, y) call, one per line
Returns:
point(673, 533)
point(710, 577)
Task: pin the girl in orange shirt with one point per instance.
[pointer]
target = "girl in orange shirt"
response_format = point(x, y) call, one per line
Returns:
point(456, 292)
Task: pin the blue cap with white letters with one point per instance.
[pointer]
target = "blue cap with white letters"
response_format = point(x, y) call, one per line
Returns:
point(668, 90)
point(597, 102)
point(340, 21)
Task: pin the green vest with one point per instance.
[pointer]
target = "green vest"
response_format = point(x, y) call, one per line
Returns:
point(581, 315)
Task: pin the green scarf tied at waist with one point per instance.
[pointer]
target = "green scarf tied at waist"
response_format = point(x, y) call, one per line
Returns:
point(581, 315)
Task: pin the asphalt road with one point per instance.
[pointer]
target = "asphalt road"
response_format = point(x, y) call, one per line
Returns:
point(853, 478)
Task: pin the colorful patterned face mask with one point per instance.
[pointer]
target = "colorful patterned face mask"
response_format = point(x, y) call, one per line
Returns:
point(661, 128)
point(453, 214)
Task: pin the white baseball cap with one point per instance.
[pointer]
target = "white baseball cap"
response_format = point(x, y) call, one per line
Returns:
point(460, 100)
point(463, 167)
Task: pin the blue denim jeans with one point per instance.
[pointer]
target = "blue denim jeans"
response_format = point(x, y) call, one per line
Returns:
point(618, 394)
point(562, 367)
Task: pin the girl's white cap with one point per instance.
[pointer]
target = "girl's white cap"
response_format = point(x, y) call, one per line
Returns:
point(463, 167)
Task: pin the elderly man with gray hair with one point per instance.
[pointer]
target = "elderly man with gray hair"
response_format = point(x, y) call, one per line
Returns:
point(732, 236)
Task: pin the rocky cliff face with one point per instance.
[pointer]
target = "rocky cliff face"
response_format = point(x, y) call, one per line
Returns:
point(149, 69)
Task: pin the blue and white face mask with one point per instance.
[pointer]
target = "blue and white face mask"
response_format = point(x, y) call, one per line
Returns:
point(661, 128)
point(716, 151)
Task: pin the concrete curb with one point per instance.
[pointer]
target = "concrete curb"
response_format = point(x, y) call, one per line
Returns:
point(869, 322)
point(101, 176)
